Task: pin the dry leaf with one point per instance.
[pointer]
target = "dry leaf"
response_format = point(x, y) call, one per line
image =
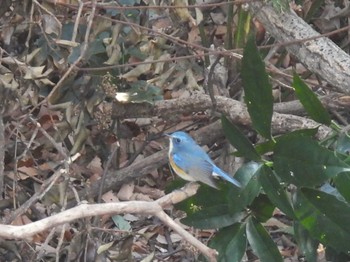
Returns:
point(183, 13)
point(51, 25)
point(110, 197)
point(133, 74)
point(95, 165)
point(126, 191)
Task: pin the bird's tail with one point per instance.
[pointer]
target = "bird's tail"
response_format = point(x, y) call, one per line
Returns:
point(218, 172)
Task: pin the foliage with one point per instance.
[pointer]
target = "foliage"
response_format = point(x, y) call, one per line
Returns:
point(59, 74)
point(304, 179)
point(64, 65)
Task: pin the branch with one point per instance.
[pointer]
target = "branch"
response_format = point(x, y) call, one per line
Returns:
point(2, 154)
point(116, 178)
point(235, 110)
point(320, 55)
point(154, 208)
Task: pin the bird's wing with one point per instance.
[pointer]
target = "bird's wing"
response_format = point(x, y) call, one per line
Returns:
point(197, 168)
point(216, 171)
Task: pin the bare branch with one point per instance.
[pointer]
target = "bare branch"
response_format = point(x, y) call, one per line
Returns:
point(235, 110)
point(320, 55)
point(154, 208)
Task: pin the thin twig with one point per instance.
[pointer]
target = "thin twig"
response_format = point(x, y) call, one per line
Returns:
point(109, 160)
point(77, 20)
point(2, 155)
point(209, 83)
point(45, 187)
point(50, 138)
point(34, 198)
point(35, 132)
point(153, 7)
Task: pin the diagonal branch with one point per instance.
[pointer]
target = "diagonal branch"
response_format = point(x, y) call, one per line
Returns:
point(154, 208)
point(320, 55)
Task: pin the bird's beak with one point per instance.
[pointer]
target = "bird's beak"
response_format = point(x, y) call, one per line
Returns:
point(168, 135)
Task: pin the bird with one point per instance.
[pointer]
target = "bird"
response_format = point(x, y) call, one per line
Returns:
point(192, 163)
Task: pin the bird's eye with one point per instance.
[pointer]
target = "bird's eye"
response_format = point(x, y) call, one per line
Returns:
point(177, 140)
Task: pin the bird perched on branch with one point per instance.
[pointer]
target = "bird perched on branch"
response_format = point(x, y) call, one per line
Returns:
point(192, 163)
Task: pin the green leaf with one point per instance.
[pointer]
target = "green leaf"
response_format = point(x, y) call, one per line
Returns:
point(230, 242)
point(280, 5)
point(343, 143)
point(330, 206)
point(269, 146)
point(74, 55)
point(265, 147)
point(303, 162)
point(238, 140)
point(342, 183)
point(210, 212)
point(275, 191)
point(257, 88)
point(243, 27)
point(135, 51)
point(121, 223)
point(200, 201)
point(261, 242)
point(262, 208)
point(239, 198)
point(336, 256)
point(311, 103)
point(325, 217)
point(331, 190)
point(307, 244)
point(213, 217)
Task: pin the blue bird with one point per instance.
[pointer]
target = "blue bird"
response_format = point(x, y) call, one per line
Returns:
point(192, 163)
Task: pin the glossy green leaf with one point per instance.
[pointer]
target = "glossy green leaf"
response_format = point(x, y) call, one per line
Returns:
point(302, 161)
point(238, 140)
point(230, 242)
point(200, 201)
point(311, 103)
point(325, 217)
point(257, 89)
point(330, 206)
point(273, 189)
point(343, 143)
point(262, 208)
point(239, 198)
point(336, 256)
point(209, 212)
point(342, 183)
point(213, 217)
point(261, 243)
point(331, 190)
point(269, 146)
point(306, 243)
point(265, 147)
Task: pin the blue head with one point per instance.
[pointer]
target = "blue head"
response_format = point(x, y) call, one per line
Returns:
point(181, 141)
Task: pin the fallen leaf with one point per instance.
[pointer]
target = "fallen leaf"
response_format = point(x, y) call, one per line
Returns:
point(126, 191)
